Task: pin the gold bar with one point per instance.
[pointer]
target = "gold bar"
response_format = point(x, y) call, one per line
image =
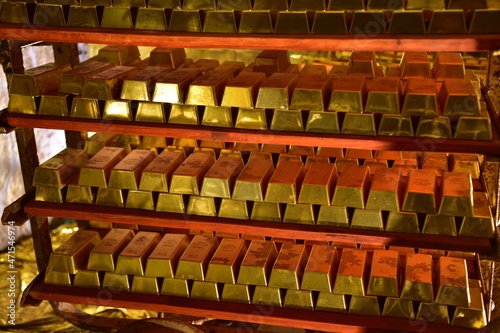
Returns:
point(275, 92)
point(116, 282)
point(267, 211)
point(398, 308)
point(433, 312)
point(425, 4)
point(407, 22)
point(23, 104)
point(457, 194)
point(288, 268)
point(474, 128)
point(323, 122)
point(403, 222)
point(333, 216)
point(461, 4)
point(362, 62)
point(172, 87)
point(199, 4)
point(235, 67)
point(329, 23)
point(101, 225)
point(205, 65)
point(234, 5)
point(384, 96)
point(162, 262)
point(346, 5)
point(57, 278)
point(458, 98)
point(194, 261)
point(311, 92)
point(151, 112)
point(50, 194)
point(368, 22)
point(321, 268)
point(352, 187)
point(103, 257)
point(415, 65)
point(328, 301)
point(126, 174)
point(359, 124)
point(185, 21)
point(386, 191)
point(417, 284)
point(87, 279)
point(482, 224)
point(364, 305)
point(267, 295)
point(86, 108)
point(299, 299)
point(208, 89)
point(473, 316)
point(60, 169)
point(385, 4)
point(15, 12)
point(55, 104)
point(140, 85)
point(242, 90)
point(184, 114)
point(435, 128)
point(235, 209)
point(73, 254)
point(367, 219)
point(483, 21)
point(448, 22)
point(176, 287)
point(439, 225)
point(118, 110)
point(299, 213)
point(205, 290)
point(421, 194)
point(287, 120)
point(168, 57)
point(83, 16)
point(132, 259)
point(151, 19)
point(220, 21)
point(256, 265)
point(239, 293)
point(350, 276)
point(80, 194)
point(117, 18)
point(97, 170)
point(317, 187)
point(224, 265)
point(38, 80)
point(187, 178)
point(384, 274)
point(421, 99)
point(157, 175)
point(217, 116)
point(257, 21)
point(172, 203)
point(205, 206)
point(349, 93)
point(107, 84)
point(145, 285)
point(452, 282)
point(251, 119)
point(73, 81)
point(220, 179)
point(119, 55)
point(271, 61)
point(448, 65)
point(285, 183)
point(140, 200)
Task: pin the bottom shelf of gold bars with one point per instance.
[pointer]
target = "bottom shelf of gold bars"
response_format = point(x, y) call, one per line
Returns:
point(415, 284)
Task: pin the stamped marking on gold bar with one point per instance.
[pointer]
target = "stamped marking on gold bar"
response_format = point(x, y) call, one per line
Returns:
point(257, 263)
point(418, 278)
point(162, 262)
point(132, 260)
point(321, 268)
point(350, 276)
point(224, 265)
point(384, 275)
point(452, 282)
point(103, 257)
point(172, 87)
point(59, 169)
point(219, 180)
point(193, 262)
point(73, 81)
point(288, 269)
point(188, 177)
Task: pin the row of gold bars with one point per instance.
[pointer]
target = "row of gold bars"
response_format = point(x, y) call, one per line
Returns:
point(281, 21)
point(152, 92)
point(259, 190)
point(319, 276)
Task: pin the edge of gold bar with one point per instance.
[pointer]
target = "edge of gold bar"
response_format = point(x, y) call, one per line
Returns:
point(421, 194)
point(104, 255)
point(194, 261)
point(352, 187)
point(398, 308)
point(188, 177)
point(132, 259)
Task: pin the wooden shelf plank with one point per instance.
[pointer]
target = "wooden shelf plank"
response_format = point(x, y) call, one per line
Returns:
point(380, 42)
point(327, 321)
point(251, 227)
point(255, 136)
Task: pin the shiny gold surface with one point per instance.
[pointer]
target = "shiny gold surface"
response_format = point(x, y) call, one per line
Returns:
point(415, 65)
point(384, 274)
point(386, 190)
point(145, 285)
point(256, 266)
point(439, 225)
point(194, 261)
point(333, 216)
point(288, 268)
point(205, 290)
point(407, 22)
point(234, 5)
point(172, 87)
point(79, 194)
point(299, 299)
point(448, 65)
point(151, 19)
point(60, 169)
point(359, 124)
point(208, 89)
point(103, 257)
point(285, 183)
point(425, 4)
point(403, 222)
point(176, 287)
point(364, 305)
point(23, 104)
point(349, 94)
point(97, 170)
point(38, 80)
point(417, 285)
point(328, 301)
point(239, 293)
point(437, 313)
point(271, 61)
point(185, 20)
point(447, 22)
point(162, 262)
point(140, 200)
point(457, 194)
point(268, 296)
point(73, 81)
point(458, 98)
point(321, 268)
point(55, 104)
point(474, 128)
point(350, 276)
point(421, 99)
point(317, 187)
point(87, 279)
point(352, 187)
point(362, 62)
point(164, 56)
point(484, 20)
point(140, 85)
point(242, 90)
point(205, 206)
point(184, 114)
point(421, 192)
point(126, 174)
point(251, 119)
point(106, 85)
point(14, 12)
point(132, 259)
point(117, 18)
point(384, 96)
point(287, 120)
point(434, 128)
point(220, 179)
point(225, 263)
point(452, 282)
point(367, 219)
point(329, 22)
point(172, 203)
point(311, 93)
point(83, 16)
point(323, 122)
point(482, 224)
point(220, 21)
point(398, 308)
point(151, 112)
point(157, 175)
point(118, 110)
point(276, 91)
point(115, 281)
point(57, 278)
point(86, 108)
point(299, 213)
point(256, 21)
point(217, 116)
point(49, 194)
point(473, 316)
point(188, 177)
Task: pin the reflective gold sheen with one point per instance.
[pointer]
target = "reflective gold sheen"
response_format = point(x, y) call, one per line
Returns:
point(350, 276)
point(194, 261)
point(103, 257)
point(132, 259)
point(256, 266)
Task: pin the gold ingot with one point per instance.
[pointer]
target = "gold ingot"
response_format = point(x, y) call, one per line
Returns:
point(49, 14)
point(329, 23)
point(145, 285)
point(234, 5)
point(101, 225)
point(330, 152)
point(175, 287)
point(398, 308)
point(438, 165)
point(73, 254)
point(288, 268)
point(129, 3)
point(139, 85)
point(168, 57)
point(271, 61)
point(126, 174)
point(403, 222)
point(384, 274)
point(483, 21)
point(407, 22)
point(313, 70)
point(73, 81)
point(311, 93)
point(461, 4)
point(367, 219)
point(217, 116)
point(474, 128)
point(199, 4)
point(288, 158)
point(417, 284)
point(275, 92)
point(132, 259)
point(224, 265)
point(458, 98)
point(333, 216)
point(285, 183)
point(287, 120)
point(194, 261)
point(205, 206)
point(220, 21)
point(208, 89)
point(421, 99)
point(116, 282)
point(118, 110)
point(364, 305)
point(151, 112)
point(256, 266)
point(447, 22)
point(292, 22)
point(151, 19)
point(434, 128)
point(323, 122)
point(239, 293)
point(15, 12)
point(384, 96)
point(448, 65)
point(473, 316)
point(171, 203)
point(157, 175)
point(359, 124)
point(385, 4)
point(342, 162)
point(331, 302)
point(140, 200)
point(242, 90)
point(96, 2)
point(184, 114)
point(299, 299)
point(352, 187)
point(103, 257)
point(425, 4)
point(433, 312)
point(439, 225)
point(434, 253)
point(23, 104)
point(89, 108)
point(83, 16)
point(421, 192)
point(87, 279)
point(185, 21)
point(251, 119)
point(49, 194)
point(235, 67)
point(452, 282)
point(386, 190)
point(364, 154)
point(38, 80)
point(206, 290)
point(107, 84)
point(162, 262)
point(349, 93)
point(257, 21)
point(457, 194)
point(350, 275)
point(268, 295)
point(317, 187)
point(80, 194)
point(57, 278)
point(321, 269)
point(60, 169)
point(172, 87)
point(117, 18)
point(416, 65)
point(482, 224)
point(267, 211)
point(187, 179)
point(55, 104)
point(362, 62)
point(219, 180)
point(299, 213)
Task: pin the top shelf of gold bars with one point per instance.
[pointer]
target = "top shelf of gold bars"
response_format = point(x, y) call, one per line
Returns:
point(395, 25)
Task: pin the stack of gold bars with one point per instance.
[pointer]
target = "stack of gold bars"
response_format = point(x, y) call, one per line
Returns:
point(264, 16)
point(410, 99)
point(430, 285)
point(429, 193)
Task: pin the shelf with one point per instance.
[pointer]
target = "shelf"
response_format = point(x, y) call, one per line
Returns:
point(261, 228)
point(263, 314)
point(255, 136)
point(431, 43)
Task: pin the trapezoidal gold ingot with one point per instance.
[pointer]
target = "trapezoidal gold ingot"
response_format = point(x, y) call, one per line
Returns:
point(398, 308)
point(276, 91)
point(452, 286)
point(458, 98)
point(23, 104)
point(319, 182)
point(483, 21)
point(364, 305)
point(350, 278)
point(172, 203)
point(176, 287)
point(403, 222)
point(384, 274)
point(87, 279)
point(481, 224)
point(425, 4)
point(103, 257)
point(421, 98)
point(217, 21)
point(385, 4)
point(140, 200)
point(407, 22)
point(474, 128)
point(73, 81)
point(83, 16)
point(359, 124)
point(437, 313)
point(311, 93)
point(333, 216)
point(205, 206)
point(107, 84)
point(386, 191)
point(184, 114)
point(172, 87)
point(218, 116)
point(145, 284)
point(97, 170)
point(119, 55)
point(251, 119)
point(346, 5)
point(421, 194)
point(368, 219)
point(60, 169)
point(126, 174)
point(55, 104)
point(449, 21)
point(220, 179)
point(118, 18)
point(321, 268)
point(323, 122)
point(239, 293)
point(234, 5)
point(257, 21)
point(157, 175)
point(235, 67)
point(89, 108)
point(271, 61)
point(349, 94)
point(209, 291)
point(448, 65)
point(80, 194)
point(362, 62)
point(439, 225)
point(299, 299)
point(116, 282)
point(50, 194)
point(208, 88)
point(417, 285)
point(57, 278)
point(132, 259)
point(225, 263)
point(329, 22)
point(188, 177)
point(242, 90)
point(461, 4)
point(415, 65)
point(289, 266)
point(434, 128)
point(151, 19)
point(328, 301)
point(384, 96)
point(162, 262)
point(285, 183)
point(38, 80)
point(287, 120)
point(352, 187)
point(185, 21)
point(165, 56)
point(299, 213)
point(118, 110)
point(73, 254)
point(267, 211)
point(268, 296)
point(139, 86)
point(473, 316)
point(203, 4)
point(194, 261)
point(255, 268)
point(151, 112)
point(15, 12)
point(457, 194)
